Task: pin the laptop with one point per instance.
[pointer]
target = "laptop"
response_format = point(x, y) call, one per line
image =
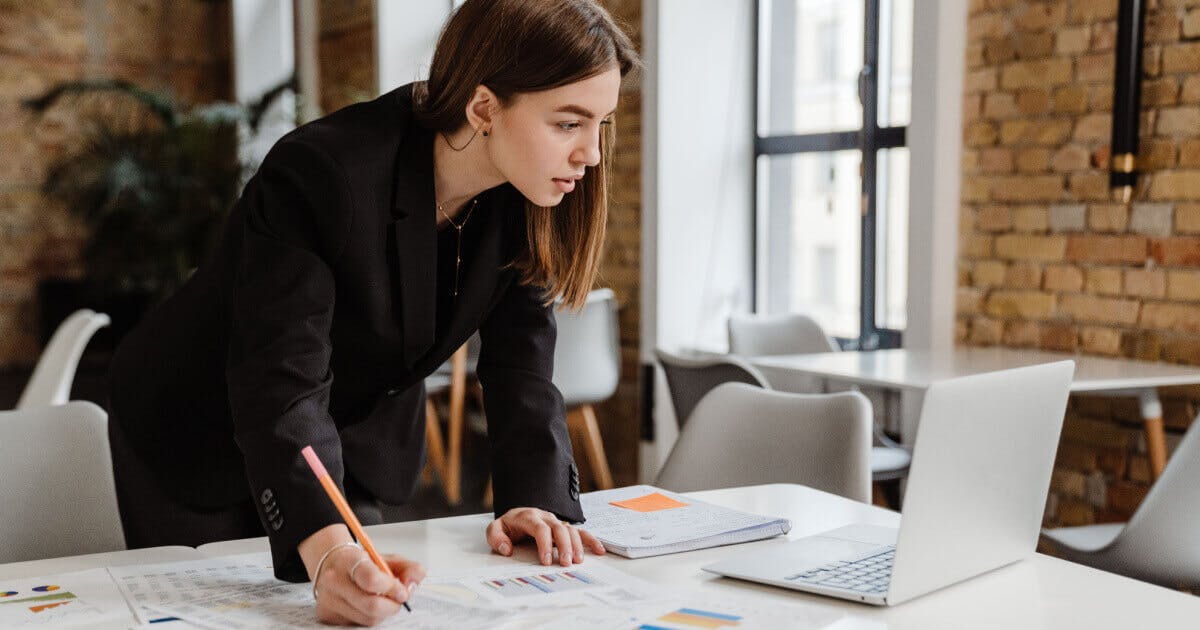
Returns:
point(976, 491)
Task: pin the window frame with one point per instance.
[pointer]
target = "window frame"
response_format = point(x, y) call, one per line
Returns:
point(868, 140)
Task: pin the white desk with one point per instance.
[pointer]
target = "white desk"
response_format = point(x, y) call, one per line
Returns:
point(916, 370)
point(1042, 592)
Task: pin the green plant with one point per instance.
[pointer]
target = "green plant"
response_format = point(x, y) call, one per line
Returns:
point(152, 182)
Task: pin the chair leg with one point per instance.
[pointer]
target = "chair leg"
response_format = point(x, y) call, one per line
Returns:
point(436, 460)
point(581, 421)
point(487, 494)
point(454, 429)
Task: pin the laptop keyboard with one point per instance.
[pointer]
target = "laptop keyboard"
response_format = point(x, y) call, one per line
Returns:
point(866, 575)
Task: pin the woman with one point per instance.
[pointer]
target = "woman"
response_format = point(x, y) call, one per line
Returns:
point(367, 248)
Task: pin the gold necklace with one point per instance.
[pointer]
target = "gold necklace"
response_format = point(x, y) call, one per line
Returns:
point(459, 228)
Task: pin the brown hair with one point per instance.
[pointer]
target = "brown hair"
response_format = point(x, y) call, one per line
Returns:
point(515, 46)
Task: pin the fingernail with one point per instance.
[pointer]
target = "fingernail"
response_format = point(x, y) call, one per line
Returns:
point(404, 592)
point(566, 557)
point(546, 558)
point(412, 587)
point(503, 549)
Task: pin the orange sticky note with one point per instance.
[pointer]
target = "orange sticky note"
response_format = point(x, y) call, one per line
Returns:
point(652, 502)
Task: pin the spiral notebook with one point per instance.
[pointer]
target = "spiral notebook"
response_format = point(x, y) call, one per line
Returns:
point(642, 521)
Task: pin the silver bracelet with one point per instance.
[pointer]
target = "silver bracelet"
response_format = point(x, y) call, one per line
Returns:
point(324, 557)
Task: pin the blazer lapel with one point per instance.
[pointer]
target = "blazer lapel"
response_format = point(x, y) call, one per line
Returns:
point(415, 238)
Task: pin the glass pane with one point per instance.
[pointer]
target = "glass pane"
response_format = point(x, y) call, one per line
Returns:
point(810, 244)
point(891, 232)
point(895, 62)
point(811, 53)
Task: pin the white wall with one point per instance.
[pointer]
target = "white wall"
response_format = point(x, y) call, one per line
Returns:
point(263, 57)
point(697, 134)
point(406, 33)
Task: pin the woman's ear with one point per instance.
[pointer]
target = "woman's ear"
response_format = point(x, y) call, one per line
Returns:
point(482, 107)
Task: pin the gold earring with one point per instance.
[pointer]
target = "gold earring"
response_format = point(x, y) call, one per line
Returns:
point(485, 133)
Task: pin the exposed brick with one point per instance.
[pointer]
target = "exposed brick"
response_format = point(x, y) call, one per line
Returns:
point(1026, 247)
point(1036, 132)
point(1097, 433)
point(1183, 285)
point(1108, 217)
point(1033, 160)
point(1033, 102)
point(969, 301)
point(1187, 218)
point(1028, 188)
point(1026, 304)
point(1068, 483)
point(1039, 16)
point(1000, 105)
point(1167, 316)
point(996, 160)
point(1068, 217)
point(988, 273)
point(1179, 250)
point(1106, 249)
point(1036, 74)
point(1139, 469)
point(1153, 154)
point(1021, 275)
point(1160, 92)
point(1191, 24)
point(1189, 152)
point(1103, 281)
point(986, 331)
point(983, 80)
point(1151, 219)
point(1179, 58)
point(1070, 99)
point(990, 25)
point(1075, 457)
point(1094, 68)
point(976, 189)
point(1069, 41)
point(1063, 278)
point(1070, 158)
point(1152, 61)
point(979, 134)
point(1150, 283)
point(972, 107)
point(1113, 461)
point(1178, 120)
point(1106, 341)
point(994, 218)
point(1124, 496)
point(1093, 10)
point(1085, 308)
point(1089, 186)
point(1021, 333)
point(1190, 92)
point(1033, 45)
point(1104, 36)
point(975, 245)
point(1161, 27)
point(1058, 337)
point(1075, 513)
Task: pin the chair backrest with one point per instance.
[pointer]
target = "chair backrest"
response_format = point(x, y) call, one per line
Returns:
point(587, 355)
point(742, 435)
point(57, 497)
point(1159, 544)
point(55, 370)
point(689, 379)
point(756, 335)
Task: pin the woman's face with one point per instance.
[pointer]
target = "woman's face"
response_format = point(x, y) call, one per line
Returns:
point(543, 141)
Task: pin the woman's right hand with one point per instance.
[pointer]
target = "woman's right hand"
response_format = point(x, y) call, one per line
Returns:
point(371, 596)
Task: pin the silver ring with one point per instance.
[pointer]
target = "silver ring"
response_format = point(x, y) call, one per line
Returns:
point(355, 566)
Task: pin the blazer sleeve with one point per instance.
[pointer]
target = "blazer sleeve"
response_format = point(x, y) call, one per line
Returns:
point(532, 463)
point(296, 214)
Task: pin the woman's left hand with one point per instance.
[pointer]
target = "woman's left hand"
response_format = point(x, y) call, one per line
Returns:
point(550, 533)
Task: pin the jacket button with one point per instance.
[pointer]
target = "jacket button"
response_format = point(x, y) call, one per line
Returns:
point(392, 391)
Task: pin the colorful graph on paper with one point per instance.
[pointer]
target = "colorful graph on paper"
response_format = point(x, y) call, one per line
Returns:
point(541, 583)
point(695, 618)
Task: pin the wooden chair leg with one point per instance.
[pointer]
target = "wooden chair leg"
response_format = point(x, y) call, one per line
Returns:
point(487, 494)
point(454, 428)
point(1156, 446)
point(581, 421)
point(435, 449)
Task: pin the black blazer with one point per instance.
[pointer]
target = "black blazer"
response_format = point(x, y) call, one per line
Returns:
point(313, 322)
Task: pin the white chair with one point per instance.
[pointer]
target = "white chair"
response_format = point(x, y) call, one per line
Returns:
point(57, 496)
point(689, 379)
point(1161, 542)
point(587, 368)
point(800, 334)
point(55, 370)
point(742, 435)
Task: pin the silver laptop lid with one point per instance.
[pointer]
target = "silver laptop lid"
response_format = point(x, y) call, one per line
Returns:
point(980, 472)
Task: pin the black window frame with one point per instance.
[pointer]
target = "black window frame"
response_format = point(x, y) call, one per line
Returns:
point(868, 141)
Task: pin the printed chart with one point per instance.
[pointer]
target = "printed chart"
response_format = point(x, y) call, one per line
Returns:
point(82, 598)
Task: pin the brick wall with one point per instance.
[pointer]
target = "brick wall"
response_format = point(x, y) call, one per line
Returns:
point(621, 268)
point(1047, 260)
point(177, 46)
point(346, 53)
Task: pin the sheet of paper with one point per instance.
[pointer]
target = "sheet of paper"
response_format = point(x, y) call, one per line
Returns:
point(175, 582)
point(664, 527)
point(652, 502)
point(82, 598)
point(686, 610)
point(522, 586)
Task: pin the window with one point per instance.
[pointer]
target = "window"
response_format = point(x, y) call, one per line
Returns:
point(831, 210)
